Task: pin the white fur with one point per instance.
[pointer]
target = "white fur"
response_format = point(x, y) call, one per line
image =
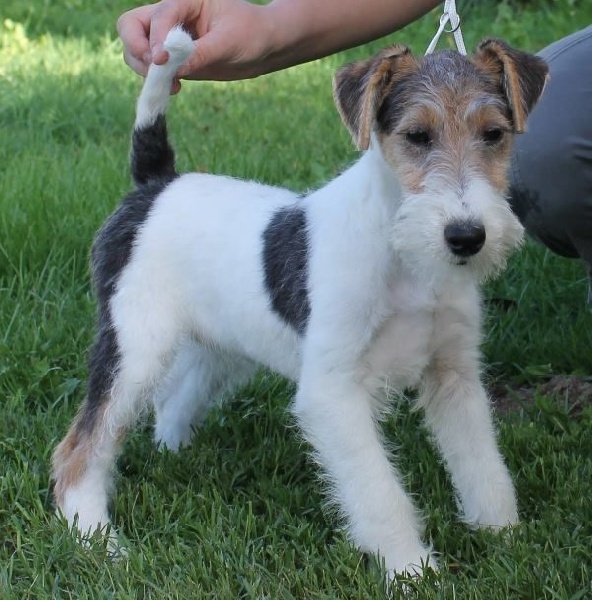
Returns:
point(155, 95)
point(390, 307)
point(80, 503)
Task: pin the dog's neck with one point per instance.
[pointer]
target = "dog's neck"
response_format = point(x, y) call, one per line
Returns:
point(369, 185)
point(380, 175)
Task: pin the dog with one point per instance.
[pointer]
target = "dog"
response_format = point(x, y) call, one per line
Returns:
point(365, 286)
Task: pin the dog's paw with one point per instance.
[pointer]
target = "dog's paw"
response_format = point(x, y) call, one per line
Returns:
point(117, 547)
point(491, 504)
point(102, 535)
point(400, 580)
point(411, 565)
point(497, 517)
point(172, 438)
point(414, 569)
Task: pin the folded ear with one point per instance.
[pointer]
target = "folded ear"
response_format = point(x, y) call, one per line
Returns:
point(522, 76)
point(360, 87)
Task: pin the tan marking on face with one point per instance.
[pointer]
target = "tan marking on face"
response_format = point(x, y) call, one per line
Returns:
point(492, 160)
point(456, 118)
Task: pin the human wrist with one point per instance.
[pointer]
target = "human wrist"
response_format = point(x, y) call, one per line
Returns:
point(303, 30)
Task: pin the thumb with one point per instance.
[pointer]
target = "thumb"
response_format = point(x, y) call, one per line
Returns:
point(211, 49)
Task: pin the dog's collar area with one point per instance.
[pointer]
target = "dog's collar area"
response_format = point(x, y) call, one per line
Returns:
point(449, 16)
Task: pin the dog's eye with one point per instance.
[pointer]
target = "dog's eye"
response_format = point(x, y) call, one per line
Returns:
point(493, 136)
point(419, 137)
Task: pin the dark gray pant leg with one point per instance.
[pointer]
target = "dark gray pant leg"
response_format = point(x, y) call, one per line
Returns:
point(551, 175)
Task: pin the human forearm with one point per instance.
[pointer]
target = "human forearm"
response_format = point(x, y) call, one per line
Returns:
point(303, 30)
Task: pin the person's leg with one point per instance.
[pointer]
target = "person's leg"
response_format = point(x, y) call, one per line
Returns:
point(551, 175)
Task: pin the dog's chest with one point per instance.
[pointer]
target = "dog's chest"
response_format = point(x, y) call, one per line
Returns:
point(401, 348)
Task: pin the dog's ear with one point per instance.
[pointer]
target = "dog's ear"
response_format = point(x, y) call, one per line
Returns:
point(522, 76)
point(360, 87)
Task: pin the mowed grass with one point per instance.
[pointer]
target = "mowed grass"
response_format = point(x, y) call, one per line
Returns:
point(241, 513)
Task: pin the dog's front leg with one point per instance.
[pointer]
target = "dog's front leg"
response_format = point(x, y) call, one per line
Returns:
point(457, 410)
point(335, 413)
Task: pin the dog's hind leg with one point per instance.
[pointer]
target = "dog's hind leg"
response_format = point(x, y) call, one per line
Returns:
point(198, 376)
point(139, 315)
point(137, 337)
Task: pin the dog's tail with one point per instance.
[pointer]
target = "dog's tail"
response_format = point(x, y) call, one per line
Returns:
point(152, 156)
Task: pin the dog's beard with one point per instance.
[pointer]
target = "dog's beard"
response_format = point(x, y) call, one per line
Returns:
point(417, 235)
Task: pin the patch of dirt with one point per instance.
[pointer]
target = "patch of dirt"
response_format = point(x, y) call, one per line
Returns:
point(570, 391)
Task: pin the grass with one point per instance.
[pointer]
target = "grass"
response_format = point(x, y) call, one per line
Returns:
point(240, 513)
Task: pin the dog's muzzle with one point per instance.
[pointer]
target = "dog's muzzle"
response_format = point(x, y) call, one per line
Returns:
point(464, 239)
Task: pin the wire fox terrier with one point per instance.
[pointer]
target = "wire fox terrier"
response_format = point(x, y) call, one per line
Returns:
point(367, 285)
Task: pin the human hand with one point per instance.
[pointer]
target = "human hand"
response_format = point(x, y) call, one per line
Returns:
point(232, 37)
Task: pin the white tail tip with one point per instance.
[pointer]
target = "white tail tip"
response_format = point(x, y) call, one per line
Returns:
point(179, 45)
point(155, 93)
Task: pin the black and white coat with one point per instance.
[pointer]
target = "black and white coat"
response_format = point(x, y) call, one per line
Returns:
point(355, 290)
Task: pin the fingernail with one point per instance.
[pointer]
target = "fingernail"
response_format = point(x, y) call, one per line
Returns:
point(160, 57)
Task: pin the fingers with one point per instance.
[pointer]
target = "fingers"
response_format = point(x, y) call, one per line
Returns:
point(133, 28)
point(166, 15)
point(220, 50)
point(191, 69)
point(213, 58)
point(143, 30)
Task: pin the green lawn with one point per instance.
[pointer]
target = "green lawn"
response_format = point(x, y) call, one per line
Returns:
point(241, 514)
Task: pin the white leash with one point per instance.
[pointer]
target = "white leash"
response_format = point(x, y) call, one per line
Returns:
point(449, 16)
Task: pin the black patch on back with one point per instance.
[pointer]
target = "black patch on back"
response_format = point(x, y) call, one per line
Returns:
point(110, 254)
point(152, 155)
point(285, 264)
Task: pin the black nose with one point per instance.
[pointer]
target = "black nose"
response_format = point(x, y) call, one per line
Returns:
point(464, 239)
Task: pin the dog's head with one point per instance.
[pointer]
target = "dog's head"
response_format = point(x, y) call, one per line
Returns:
point(444, 125)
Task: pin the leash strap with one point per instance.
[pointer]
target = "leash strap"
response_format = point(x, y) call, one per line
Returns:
point(449, 16)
